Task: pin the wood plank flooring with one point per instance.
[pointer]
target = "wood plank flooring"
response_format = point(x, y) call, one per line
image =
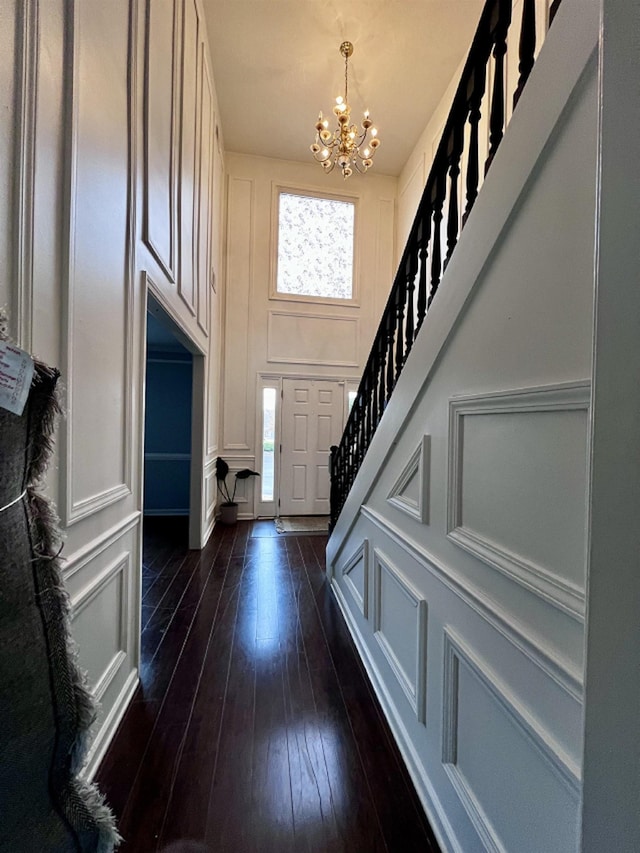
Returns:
point(254, 728)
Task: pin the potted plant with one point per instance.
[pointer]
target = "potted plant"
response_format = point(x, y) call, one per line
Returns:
point(229, 507)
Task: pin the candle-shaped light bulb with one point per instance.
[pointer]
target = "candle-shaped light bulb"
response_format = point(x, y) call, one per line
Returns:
point(374, 131)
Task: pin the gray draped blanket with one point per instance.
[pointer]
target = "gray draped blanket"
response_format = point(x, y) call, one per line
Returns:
point(45, 708)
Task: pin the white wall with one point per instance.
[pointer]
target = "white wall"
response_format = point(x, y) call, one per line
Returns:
point(98, 219)
point(258, 325)
point(460, 556)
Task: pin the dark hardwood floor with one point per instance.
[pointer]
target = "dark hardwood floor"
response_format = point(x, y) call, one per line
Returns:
point(254, 728)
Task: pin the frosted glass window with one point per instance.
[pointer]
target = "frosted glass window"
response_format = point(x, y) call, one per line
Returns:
point(315, 246)
point(268, 442)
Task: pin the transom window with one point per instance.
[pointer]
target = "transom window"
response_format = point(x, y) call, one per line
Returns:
point(315, 246)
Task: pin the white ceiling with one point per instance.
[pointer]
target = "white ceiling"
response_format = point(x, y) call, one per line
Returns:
point(276, 64)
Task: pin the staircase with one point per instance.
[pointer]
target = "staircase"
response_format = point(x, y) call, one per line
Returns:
point(459, 488)
point(444, 209)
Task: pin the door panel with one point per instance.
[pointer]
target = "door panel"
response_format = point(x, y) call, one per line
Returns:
point(312, 420)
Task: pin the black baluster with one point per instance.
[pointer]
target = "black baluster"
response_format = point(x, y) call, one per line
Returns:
point(412, 269)
point(382, 362)
point(425, 233)
point(496, 120)
point(363, 432)
point(375, 382)
point(334, 492)
point(457, 140)
point(436, 257)
point(475, 101)
point(527, 46)
point(390, 321)
point(401, 296)
point(367, 412)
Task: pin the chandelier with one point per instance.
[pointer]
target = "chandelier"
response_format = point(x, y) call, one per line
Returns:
point(347, 145)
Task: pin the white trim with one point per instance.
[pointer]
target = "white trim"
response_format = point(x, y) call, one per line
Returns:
point(361, 555)
point(565, 768)
point(564, 673)
point(436, 814)
point(329, 362)
point(569, 396)
point(109, 726)
point(413, 685)
point(26, 124)
point(278, 187)
point(419, 463)
point(73, 510)
point(81, 558)
point(167, 265)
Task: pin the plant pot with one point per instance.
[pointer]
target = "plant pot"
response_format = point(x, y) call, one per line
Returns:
point(228, 513)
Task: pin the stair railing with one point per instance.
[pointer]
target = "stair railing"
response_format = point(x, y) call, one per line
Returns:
point(443, 210)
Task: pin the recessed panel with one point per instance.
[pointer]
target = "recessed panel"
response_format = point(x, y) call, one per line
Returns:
point(398, 622)
point(299, 486)
point(300, 432)
point(514, 795)
point(322, 483)
point(301, 395)
point(523, 482)
point(100, 615)
point(400, 625)
point(159, 193)
point(324, 433)
point(98, 280)
point(355, 577)
point(312, 339)
point(325, 397)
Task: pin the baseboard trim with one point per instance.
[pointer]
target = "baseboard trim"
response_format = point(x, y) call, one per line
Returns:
point(103, 739)
point(441, 827)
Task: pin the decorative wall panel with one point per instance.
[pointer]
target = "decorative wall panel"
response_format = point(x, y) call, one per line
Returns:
point(312, 339)
point(159, 133)
point(507, 771)
point(400, 626)
point(410, 492)
point(239, 271)
point(99, 277)
point(188, 194)
point(517, 485)
point(355, 574)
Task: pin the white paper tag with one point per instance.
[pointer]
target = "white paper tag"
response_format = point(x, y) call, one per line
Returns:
point(16, 372)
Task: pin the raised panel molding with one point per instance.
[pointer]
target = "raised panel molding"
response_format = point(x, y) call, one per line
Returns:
point(543, 582)
point(26, 106)
point(162, 246)
point(361, 598)
point(188, 156)
point(563, 673)
point(119, 570)
point(419, 465)
point(74, 508)
point(458, 653)
point(203, 242)
point(81, 558)
point(312, 338)
point(238, 312)
point(413, 683)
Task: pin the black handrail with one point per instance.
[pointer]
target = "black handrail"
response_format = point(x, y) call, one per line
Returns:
point(431, 240)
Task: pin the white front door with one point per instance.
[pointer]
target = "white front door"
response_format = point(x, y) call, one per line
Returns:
point(312, 420)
